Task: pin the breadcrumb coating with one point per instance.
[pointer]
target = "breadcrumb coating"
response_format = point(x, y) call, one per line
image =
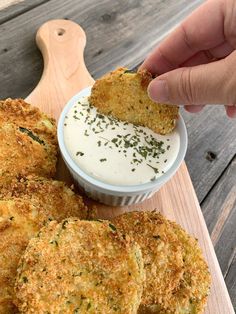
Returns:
point(123, 94)
point(28, 142)
point(21, 113)
point(54, 197)
point(87, 266)
point(188, 274)
point(162, 253)
point(30, 205)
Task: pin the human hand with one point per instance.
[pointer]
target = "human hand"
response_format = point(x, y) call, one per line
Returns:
point(196, 63)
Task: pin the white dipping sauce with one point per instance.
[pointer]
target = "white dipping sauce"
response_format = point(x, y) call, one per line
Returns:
point(117, 152)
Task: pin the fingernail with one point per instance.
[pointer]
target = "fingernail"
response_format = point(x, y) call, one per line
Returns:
point(232, 115)
point(231, 111)
point(158, 91)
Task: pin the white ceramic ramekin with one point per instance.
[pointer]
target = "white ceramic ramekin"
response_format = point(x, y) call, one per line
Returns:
point(112, 194)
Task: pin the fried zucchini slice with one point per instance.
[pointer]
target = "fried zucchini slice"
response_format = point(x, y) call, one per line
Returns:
point(29, 205)
point(87, 266)
point(178, 279)
point(28, 143)
point(123, 95)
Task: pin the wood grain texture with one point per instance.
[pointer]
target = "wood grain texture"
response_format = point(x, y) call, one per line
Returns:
point(176, 200)
point(230, 281)
point(7, 3)
point(12, 8)
point(219, 209)
point(60, 42)
point(212, 145)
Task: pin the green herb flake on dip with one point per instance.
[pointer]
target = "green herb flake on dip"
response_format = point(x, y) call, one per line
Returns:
point(117, 152)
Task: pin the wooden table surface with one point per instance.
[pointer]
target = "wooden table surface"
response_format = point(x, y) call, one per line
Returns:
point(122, 32)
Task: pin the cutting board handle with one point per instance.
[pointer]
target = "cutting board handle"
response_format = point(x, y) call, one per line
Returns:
point(62, 44)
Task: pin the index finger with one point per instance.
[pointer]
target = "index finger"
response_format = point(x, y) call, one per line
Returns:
point(202, 30)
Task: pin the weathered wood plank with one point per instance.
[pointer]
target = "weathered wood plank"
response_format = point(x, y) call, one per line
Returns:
point(226, 253)
point(7, 3)
point(12, 8)
point(212, 145)
point(225, 246)
point(219, 209)
point(231, 282)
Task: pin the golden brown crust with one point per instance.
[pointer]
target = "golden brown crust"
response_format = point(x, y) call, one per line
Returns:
point(16, 224)
point(21, 113)
point(123, 94)
point(194, 287)
point(189, 292)
point(32, 203)
point(28, 142)
point(87, 266)
point(12, 244)
point(53, 197)
point(161, 251)
point(20, 155)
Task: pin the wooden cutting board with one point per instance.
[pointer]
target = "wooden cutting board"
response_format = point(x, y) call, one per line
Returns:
point(62, 45)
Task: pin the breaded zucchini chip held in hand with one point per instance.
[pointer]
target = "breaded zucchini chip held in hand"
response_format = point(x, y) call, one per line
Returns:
point(28, 142)
point(22, 217)
point(87, 266)
point(177, 276)
point(123, 94)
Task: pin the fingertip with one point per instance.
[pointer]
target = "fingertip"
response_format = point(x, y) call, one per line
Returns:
point(194, 108)
point(158, 91)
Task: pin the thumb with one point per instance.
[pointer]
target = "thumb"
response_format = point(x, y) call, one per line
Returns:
point(209, 83)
